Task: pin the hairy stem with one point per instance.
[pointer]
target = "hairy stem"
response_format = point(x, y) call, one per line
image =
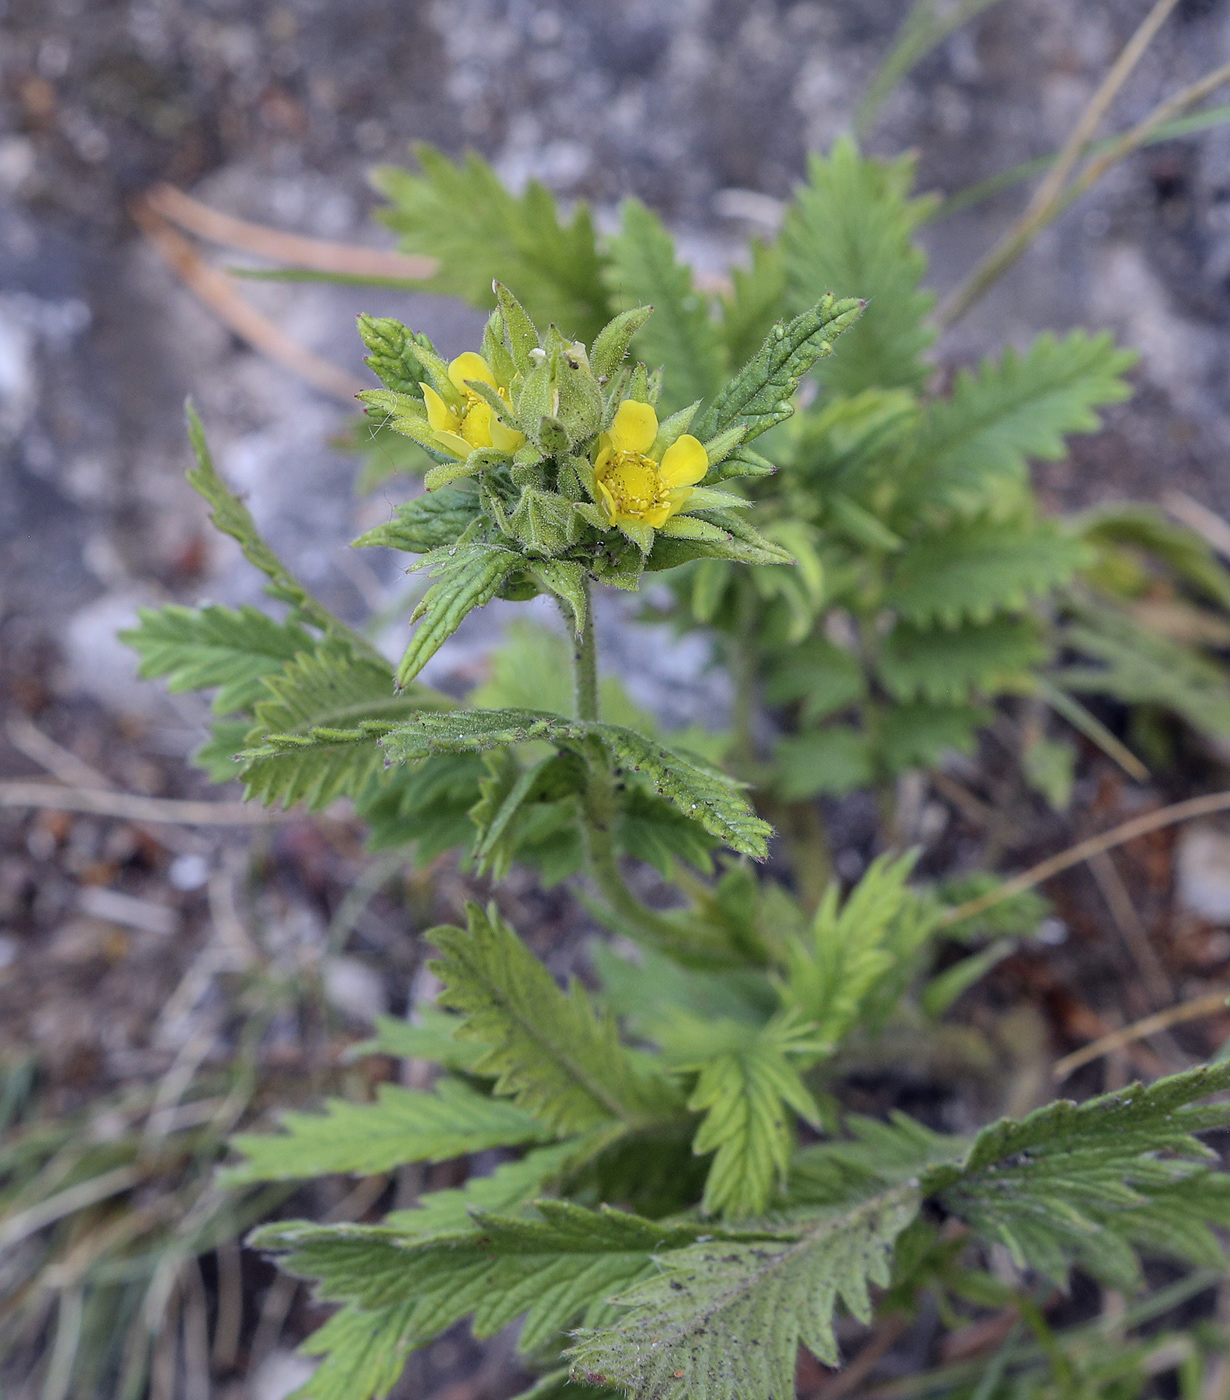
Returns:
point(600, 809)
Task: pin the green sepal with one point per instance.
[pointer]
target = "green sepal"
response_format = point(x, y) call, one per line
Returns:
point(522, 334)
point(565, 579)
point(542, 522)
point(611, 345)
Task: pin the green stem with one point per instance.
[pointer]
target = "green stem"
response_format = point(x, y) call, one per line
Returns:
point(600, 809)
point(741, 659)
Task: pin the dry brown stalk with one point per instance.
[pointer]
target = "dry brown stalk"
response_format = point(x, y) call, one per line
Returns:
point(219, 293)
point(1084, 850)
point(1207, 1005)
point(293, 249)
point(129, 807)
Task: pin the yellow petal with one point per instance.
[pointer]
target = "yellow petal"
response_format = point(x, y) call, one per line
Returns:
point(470, 366)
point(684, 462)
point(608, 502)
point(658, 516)
point(476, 425)
point(454, 443)
point(676, 500)
point(505, 438)
point(439, 415)
point(635, 427)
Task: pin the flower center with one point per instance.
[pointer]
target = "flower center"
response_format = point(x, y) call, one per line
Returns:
point(634, 483)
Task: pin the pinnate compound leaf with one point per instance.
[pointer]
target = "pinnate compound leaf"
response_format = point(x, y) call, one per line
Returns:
point(851, 229)
point(680, 335)
point(759, 396)
point(461, 215)
point(203, 648)
point(434, 520)
point(946, 665)
point(233, 518)
point(1086, 1183)
point(316, 734)
point(550, 1050)
point(975, 570)
point(749, 1087)
point(1009, 410)
point(724, 1321)
point(555, 1269)
point(467, 577)
point(403, 1125)
point(697, 788)
point(831, 968)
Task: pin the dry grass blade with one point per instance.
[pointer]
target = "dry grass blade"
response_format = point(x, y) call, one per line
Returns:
point(130, 807)
point(219, 293)
point(318, 254)
point(1048, 198)
point(1131, 929)
point(1205, 522)
point(86, 1193)
point(1085, 850)
point(1208, 1005)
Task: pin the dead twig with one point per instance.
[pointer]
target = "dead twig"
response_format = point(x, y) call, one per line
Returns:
point(1208, 1005)
point(852, 1376)
point(219, 293)
point(1084, 850)
point(316, 254)
point(1131, 929)
point(130, 807)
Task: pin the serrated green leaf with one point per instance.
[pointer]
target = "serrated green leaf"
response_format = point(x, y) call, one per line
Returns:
point(680, 336)
point(401, 1126)
point(461, 215)
point(1008, 411)
point(467, 576)
point(759, 396)
point(233, 518)
point(851, 227)
point(548, 1049)
point(829, 971)
point(204, 648)
point(724, 1321)
point(1084, 1182)
point(315, 736)
point(975, 570)
point(698, 789)
point(947, 665)
point(748, 1088)
point(434, 520)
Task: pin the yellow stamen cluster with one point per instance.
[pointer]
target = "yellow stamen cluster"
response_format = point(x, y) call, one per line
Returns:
point(634, 486)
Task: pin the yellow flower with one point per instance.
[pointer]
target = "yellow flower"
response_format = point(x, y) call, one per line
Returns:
point(473, 423)
point(631, 484)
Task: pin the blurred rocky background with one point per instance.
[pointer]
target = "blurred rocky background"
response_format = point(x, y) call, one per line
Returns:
point(706, 109)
